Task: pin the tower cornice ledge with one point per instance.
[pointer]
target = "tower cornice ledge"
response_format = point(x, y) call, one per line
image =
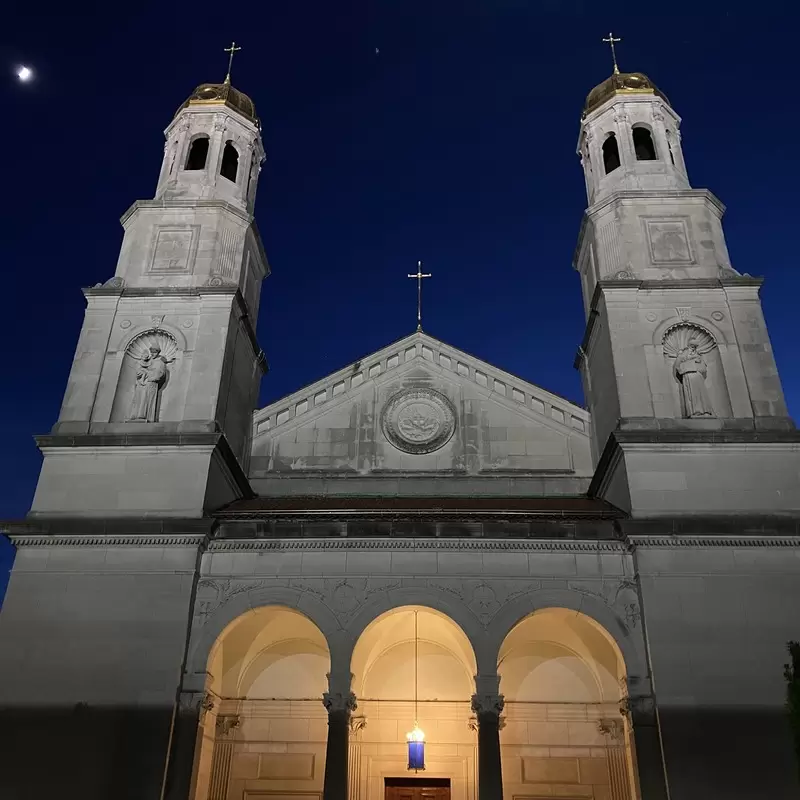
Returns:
point(187, 204)
point(637, 195)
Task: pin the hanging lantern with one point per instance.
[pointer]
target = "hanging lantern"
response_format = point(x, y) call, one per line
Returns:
point(416, 749)
point(416, 738)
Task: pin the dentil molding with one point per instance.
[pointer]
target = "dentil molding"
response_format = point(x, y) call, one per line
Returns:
point(403, 544)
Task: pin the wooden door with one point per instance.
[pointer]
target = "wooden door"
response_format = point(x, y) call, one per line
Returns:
point(411, 791)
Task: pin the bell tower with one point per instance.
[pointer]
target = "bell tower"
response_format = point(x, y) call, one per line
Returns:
point(678, 371)
point(156, 417)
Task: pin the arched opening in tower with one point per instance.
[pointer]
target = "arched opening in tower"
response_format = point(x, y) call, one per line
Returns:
point(198, 153)
point(230, 162)
point(610, 153)
point(643, 145)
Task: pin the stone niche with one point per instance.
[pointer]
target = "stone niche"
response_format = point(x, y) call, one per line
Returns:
point(156, 381)
point(692, 357)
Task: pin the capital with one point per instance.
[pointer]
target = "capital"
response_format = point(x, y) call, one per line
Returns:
point(339, 701)
point(488, 703)
point(227, 724)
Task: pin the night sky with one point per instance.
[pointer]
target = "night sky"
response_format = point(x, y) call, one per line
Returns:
point(454, 143)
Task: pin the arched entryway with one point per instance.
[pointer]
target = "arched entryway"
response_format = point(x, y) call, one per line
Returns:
point(263, 729)
point(563, 679)
point(406, 654)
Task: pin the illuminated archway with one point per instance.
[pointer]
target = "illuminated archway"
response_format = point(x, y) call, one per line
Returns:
point(563, 678)
point(264, 722)
point(383, 667)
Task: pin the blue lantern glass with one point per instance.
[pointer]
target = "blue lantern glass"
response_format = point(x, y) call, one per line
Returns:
point(416, 749)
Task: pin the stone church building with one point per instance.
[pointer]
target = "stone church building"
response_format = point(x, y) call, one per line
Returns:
point(421, 551)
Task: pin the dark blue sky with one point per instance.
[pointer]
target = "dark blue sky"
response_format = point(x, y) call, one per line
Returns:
point(454, 144)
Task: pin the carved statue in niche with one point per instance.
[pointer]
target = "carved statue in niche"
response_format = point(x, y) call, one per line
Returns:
point(688, 344)
point(152, 351)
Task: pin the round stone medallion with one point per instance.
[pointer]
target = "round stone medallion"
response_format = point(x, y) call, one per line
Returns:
point(419, 420)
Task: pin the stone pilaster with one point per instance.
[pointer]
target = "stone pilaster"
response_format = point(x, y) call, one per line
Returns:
point(617, 750)
point(223, 756)
point(340, 706)
point(357, 724)
point(487, 708)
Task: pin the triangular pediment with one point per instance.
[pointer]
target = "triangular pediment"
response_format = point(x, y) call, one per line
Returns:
point(497, 421)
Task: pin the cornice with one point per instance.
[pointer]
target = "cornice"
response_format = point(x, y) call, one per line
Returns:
point(42, 540)
point(121, 290)
point(637, 195)
point(405, 545)
point(189, 203)
point(683, 542)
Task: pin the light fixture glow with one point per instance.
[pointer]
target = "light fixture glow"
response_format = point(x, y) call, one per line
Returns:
point(24, 73)
point(416, 735)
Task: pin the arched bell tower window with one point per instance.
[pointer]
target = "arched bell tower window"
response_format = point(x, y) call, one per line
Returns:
point(198, 153)
point(643, 144)
point(230, 162)
point(610, 153)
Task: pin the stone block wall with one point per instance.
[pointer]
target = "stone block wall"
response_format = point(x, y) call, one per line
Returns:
point(718, 618)
point(93, 639)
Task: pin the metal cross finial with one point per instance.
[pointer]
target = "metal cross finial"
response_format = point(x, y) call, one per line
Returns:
point(419, 276)
point(232, 49)
point(612, 41)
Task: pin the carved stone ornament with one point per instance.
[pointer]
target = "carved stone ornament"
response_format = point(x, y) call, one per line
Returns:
point(418, 420)
point(338, 701)
point(611, 728)
point(227, 724)
point(357, 724)
point(115, 283)
point(206, 705)
point(487, 704)
point(216, 280)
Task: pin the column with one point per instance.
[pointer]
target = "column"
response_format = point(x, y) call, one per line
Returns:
point(223, 756)
point(640, 712)
point(340, 706)
point(487, 708)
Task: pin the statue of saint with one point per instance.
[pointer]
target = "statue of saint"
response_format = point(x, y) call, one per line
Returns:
point(690, 371)
point(150, 375)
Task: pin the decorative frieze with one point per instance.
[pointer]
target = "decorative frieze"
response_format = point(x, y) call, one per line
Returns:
point(397, 544)
point(713, 541)
point(43, 540)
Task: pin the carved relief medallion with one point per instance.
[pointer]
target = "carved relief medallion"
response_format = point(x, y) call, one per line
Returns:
point(418, 420)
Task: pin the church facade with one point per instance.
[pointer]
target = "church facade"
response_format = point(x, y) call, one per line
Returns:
point(420, 577)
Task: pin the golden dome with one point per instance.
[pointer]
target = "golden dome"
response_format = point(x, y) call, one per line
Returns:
point(620, 83)
point(222, 94)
